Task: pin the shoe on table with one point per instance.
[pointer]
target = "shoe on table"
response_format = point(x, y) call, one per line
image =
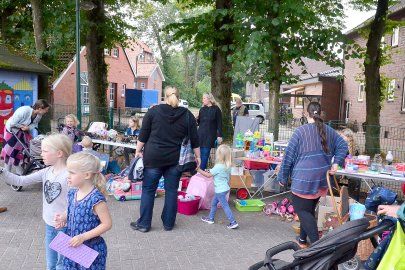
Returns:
point(207, 220)
point(233, 225)
point(3, 209)
point(134, 225)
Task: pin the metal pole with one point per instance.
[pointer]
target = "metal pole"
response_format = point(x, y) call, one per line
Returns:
point(78, 92)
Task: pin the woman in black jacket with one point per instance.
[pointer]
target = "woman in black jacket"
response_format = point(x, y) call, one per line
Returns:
point(209, 127)
point(163, 130)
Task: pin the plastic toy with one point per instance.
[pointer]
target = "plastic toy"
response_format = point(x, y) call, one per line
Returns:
point(134, 193)
point(256, 135)
point(239, 140)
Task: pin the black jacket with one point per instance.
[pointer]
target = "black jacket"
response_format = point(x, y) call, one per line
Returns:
point(163, 130)
point(209, 125)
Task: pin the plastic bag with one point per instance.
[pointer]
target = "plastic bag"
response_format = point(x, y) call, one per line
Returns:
point(394, 257)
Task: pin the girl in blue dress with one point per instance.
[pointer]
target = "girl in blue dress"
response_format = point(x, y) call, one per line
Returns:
point(87, 216)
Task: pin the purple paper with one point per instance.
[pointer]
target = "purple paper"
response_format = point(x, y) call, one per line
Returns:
point(82, 254)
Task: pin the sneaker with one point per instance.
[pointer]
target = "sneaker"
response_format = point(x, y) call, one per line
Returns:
point(233, 225)
point(302, 243)
point(208, 220)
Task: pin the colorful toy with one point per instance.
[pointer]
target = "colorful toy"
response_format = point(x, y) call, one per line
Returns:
point(120, 185)
point(248, 136)
point(256, 135)
point(239, 140)
point(134, 193)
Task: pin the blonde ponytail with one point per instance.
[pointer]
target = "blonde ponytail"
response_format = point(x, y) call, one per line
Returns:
point(86, 162)
point(172, 96)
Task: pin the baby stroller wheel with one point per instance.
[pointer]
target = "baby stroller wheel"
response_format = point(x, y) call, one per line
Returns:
point(353, 264)
point(242, 193)
point(16, 188)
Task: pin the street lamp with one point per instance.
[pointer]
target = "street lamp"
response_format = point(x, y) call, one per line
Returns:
point(85, 5)
point(136, 67)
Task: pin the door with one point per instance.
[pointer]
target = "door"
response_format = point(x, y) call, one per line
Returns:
point(254, 109)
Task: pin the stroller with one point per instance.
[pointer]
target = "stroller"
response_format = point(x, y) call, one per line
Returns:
point(337, 247)
point(32, 157)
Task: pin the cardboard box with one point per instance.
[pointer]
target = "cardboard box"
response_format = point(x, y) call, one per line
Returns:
point(239, 175)
point(326, 206)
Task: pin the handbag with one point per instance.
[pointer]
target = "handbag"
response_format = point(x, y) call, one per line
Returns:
point(187, 161)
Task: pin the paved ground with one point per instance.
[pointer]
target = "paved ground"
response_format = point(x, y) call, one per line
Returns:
point(191, 245)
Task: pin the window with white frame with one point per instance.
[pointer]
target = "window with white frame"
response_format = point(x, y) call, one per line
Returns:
point(403, 96)
point(395, 37)
point(142, 85)
point(115, 52)
point(113, 90)
point(266, 87)
point(107, 52)
point(84, 91)
point(361, 92)
point(124, 86)
point(391, 91)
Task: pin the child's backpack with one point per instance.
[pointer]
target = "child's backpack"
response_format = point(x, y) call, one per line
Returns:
point(135, 173)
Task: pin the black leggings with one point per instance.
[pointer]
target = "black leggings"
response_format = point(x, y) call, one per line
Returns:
point(305, 209)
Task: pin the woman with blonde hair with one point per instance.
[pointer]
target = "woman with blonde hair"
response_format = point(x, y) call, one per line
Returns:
point(163, 129)
point(209, 127)
point(348, 135)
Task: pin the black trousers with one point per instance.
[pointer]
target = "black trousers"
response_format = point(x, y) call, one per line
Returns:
point(305, 209)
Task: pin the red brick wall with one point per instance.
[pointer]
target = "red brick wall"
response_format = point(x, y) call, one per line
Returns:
point(119, 71)
point(331, 89)
point(391, 111)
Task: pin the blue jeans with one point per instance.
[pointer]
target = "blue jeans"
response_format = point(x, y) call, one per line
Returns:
point(221, 198)
point(150, 183)
point(54, 261)
point(205, 154)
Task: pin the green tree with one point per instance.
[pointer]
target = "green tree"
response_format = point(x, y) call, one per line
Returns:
point(375, 56)
point(275, 34)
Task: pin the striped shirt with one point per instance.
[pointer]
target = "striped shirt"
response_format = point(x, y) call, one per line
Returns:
point(306, 162)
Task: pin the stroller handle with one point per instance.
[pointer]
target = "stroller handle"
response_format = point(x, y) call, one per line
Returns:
point(384, 226)
point(277, 249)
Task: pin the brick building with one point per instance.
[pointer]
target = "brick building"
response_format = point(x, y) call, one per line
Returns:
point(134, 67)
point(354, 99)
point(317, 81)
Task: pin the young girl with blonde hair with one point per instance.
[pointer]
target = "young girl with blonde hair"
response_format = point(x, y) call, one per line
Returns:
point(70, 129)
point(56, 148)
point(221, 173)
point(87, 216)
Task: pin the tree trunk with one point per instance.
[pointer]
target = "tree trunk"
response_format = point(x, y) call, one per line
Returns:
point(196, 71)
point(41, 54)
point(38, 25)
point(274, 84)
point(186, 58)
point(163, 53)
point(96, 66)
point(221, 82)
point(372, 65)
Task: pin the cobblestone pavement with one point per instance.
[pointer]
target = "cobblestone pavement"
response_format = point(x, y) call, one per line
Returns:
point(191, 245)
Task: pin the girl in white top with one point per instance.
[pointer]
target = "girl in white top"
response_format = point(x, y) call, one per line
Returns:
point(56, 149)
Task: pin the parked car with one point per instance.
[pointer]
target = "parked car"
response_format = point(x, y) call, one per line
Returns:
point(183, 103)
point(255, 109)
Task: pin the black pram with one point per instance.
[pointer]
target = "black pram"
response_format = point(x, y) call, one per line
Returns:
point(336, 247)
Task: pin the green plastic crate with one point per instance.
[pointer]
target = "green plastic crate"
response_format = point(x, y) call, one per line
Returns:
point(252, 206)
